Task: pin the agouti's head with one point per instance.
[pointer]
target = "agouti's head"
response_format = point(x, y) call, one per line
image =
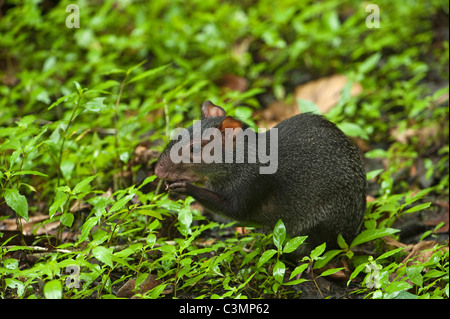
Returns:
point(188, 154)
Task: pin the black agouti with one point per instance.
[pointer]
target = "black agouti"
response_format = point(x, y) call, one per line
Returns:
point(313, 180)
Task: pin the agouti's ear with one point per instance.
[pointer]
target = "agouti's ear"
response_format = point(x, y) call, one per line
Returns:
point(230, 122)
point(211, 110)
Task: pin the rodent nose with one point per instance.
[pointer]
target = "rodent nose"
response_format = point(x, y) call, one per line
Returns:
point(159, 171)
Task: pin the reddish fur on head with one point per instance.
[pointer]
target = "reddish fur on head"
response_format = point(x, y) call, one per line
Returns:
point(230, 122)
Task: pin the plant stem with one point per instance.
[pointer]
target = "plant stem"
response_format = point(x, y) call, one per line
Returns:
point(166, 116)
point(116, 141)
point(117, 224)
point(104, 283)
point(314, 279)
point(64, 138)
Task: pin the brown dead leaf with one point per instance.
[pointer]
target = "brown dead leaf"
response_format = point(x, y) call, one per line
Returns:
point(325, 92)
point(28, 227)
point(209, 242)
point(423, 134)
point(240, 49)
point(393, 243)
point(276, 112)
point(362, 144)
point(197, 206)
point(442, 217)
point(420, 252)
point(231, 82)
point(78, 206)
point(143, 154)
point(242, 230)
point(128, 289)
point(443, 98)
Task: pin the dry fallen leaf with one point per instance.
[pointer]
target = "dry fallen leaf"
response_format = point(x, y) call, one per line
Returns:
point(276, 112)
point(421, 252)
point(27, 227)
point(231, 82)
point(128, 291)
point(326, 92)
point(423, 134)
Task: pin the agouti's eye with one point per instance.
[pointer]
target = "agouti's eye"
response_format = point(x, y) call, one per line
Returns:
point(196, 149)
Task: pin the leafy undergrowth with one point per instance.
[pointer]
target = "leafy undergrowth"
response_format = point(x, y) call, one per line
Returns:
point(85, 112)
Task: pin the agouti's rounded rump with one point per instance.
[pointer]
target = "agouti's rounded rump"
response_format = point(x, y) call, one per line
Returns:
point(304, 171)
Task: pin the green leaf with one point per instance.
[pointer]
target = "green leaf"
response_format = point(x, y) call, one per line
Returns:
point(79, 88)
point(279, 234)
point(356, 272)
point(294, 243)
point(415, 274)
point(59, 101)
point(103, 254)
point(307, 106)
point(406, 295)
point(371, 234)
point(83, 186)
point(114, 71)
point(120, 203)
point(61, 197)
point(17, 202)
point(128, 72)
point(151, 213)
point(87, 226)
point(185, 217)
point(15, 284)
point(15, 155)
point(278, 271)
point(148, 73)
point(316, 252)
point(374, 173)
point(249, 257)
point(341, 242)
point(326, 258)
point(330, 271)
point(390, 253)
point(167, 249)
point(412, 197)
point(376, 153)
point(96, 105)
point(266, 256)
point(11, 264)
point(298, 270)
point(295, 282)
point(418, 207)
point(147, 180)
point(58, 204)
point(369, 64)
point(352, 129)
point(29, 173)
point(53, 289)
point(67, 219)
point(192, 281)
point(398, 286)
point(156, 292)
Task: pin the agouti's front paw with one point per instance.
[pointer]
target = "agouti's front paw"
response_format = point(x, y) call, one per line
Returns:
point(178, 187)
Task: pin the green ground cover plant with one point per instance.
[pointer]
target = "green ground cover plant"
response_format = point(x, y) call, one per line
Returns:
point(84, 113)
